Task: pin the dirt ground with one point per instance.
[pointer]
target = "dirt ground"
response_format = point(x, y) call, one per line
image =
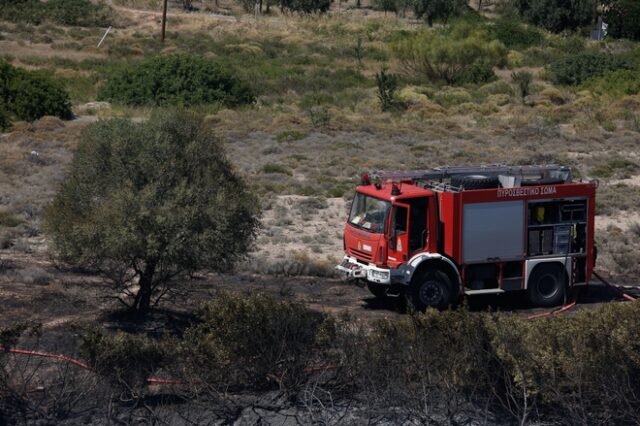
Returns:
point(36, 289)
point(299, 243)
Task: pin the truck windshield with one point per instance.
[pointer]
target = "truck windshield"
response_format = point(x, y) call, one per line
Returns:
point(369, 213)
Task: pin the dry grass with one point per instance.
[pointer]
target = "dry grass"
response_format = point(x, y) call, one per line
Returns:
point(312, 135)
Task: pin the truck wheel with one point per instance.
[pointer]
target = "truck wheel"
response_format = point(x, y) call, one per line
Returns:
point(547, 285)
point(378, 290)
point(475, 182)
point(431, 290)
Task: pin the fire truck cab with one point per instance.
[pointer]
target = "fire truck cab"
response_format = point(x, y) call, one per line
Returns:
point(437, 235)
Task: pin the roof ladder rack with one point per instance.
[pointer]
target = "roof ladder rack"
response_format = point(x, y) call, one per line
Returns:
point(440, 173)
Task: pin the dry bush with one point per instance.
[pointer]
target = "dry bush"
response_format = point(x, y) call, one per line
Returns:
point(252, 343)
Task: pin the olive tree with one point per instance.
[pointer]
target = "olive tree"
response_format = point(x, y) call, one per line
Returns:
point(144, 203)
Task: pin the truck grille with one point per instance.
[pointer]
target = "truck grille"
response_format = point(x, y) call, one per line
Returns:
point(361, 254)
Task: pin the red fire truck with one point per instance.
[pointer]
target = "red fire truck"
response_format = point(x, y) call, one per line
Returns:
point(436, 235)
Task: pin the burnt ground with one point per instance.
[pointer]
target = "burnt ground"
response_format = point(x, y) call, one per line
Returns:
point(37, 290)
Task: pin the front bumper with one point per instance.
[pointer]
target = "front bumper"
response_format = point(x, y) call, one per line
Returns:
point(354, 270)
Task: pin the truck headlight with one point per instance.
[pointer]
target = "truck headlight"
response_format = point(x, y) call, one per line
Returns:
point(379, 275)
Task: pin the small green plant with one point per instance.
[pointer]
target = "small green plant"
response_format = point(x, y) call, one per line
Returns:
point(276, 168)
point(358, 51)
point(319, 115)
point(290, 136)
point(387, 86)
point(522, 79)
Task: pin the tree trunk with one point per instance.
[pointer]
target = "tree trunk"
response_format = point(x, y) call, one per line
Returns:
point(143, 297)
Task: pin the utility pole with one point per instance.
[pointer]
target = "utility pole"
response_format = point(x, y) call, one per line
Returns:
point(164, 20)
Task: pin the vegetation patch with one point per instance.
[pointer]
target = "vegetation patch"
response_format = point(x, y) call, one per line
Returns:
point(290, 136)
point(178, 79)
point(464, 53)
point(276, 168)
point(443, 363)
point(29, 95)
point(66, 12)
point(516, 35)
point(150, 202)
point(617, 167)
point(617, 83)
point(575, 69)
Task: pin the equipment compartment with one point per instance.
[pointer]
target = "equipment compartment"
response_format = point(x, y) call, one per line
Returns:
point(556, 227)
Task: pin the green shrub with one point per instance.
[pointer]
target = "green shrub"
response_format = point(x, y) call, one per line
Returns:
point(523, 80)
point(29, 95)
point(516, 35)
point(575, 69)
point(572, 45)
point(178, 79)
point(452, 55)
point(35, 94)
point(78, 12)
point(616, 83)
point(253, 343)
point(276, 168)
point(478, 73)
point(66, 12)
point(32, 11)
point(126, 360)
point(387, 87)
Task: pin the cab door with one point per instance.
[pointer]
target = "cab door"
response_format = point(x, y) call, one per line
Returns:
point(398, 250)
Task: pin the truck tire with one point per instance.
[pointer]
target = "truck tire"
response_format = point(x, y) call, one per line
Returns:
point(475, 182)
point(378, 290)
point(547, 285)
point(431, 290)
